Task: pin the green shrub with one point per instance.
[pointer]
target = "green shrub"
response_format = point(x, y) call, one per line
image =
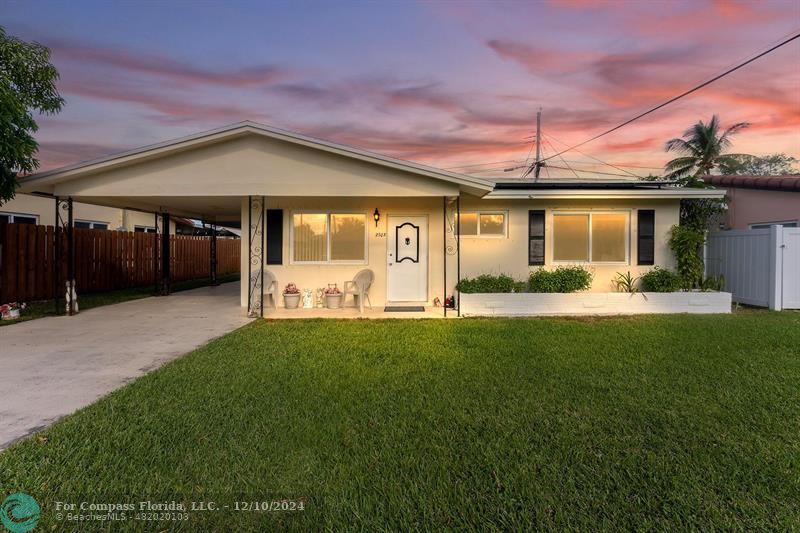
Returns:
point(661, 280)
point(712, 283)
point(687, 246)
point(562, 279)
point(625, 282)
point(486, 283)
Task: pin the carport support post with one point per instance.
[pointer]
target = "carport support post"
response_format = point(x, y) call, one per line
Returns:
point(156, 285)
point(458, 250)
point(213, 253)
point(64, 223)
point(57, 257)
point(444, 252)
point(255, 255)
point(166, 281)
point(60, 224)
point(72, 291)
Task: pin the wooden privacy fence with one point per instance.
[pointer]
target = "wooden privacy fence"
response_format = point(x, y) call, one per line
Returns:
point(104, 260)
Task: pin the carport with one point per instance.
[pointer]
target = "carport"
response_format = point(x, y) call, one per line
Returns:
point(243, 174)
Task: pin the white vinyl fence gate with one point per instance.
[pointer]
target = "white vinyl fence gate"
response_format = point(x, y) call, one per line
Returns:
point(760, 266)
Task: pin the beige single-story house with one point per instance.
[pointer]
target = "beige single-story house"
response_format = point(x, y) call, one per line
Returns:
point(314, 213)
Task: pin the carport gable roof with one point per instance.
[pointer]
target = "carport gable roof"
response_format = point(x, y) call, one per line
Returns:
point(36, 182)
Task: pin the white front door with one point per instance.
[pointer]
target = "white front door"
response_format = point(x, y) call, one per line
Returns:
point(407, 259)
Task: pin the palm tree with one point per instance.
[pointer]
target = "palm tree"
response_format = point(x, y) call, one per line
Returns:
point(701, 147)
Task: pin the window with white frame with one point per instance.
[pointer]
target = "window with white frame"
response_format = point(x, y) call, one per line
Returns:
point(90, 224)
point(591, 237)
point(482, 224)
point(18, 218)
point(329, 237)
point(144, 229)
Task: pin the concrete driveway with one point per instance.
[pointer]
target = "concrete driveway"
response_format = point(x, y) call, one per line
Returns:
point(51, 367)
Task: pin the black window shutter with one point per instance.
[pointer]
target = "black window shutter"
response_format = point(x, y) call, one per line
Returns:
point(274, 236)
point(536, 237)
point(646, 237)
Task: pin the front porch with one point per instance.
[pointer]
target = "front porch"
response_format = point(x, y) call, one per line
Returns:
point(376, 313)
point(407, 245)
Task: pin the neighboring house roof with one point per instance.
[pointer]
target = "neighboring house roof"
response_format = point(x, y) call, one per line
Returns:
point(244, 128)
point(765, 183)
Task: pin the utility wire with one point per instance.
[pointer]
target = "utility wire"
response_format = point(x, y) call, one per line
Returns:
point(589, 171)
point(678, 97)
point(562, 159)
point(484, 164)
point(595, 158)
point(568, 160)
point(610, 164)
point(528, 157)
point(546, 170)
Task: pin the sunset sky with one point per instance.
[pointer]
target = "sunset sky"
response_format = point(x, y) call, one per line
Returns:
point(449, 83)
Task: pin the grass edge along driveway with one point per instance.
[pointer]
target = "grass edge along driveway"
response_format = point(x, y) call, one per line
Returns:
point(650, 422)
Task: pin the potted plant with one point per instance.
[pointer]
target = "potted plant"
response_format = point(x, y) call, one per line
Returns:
point(333, 297)
point(291, 296)
point(11, 311)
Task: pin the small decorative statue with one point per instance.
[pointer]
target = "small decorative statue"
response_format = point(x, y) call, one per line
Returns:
point(320, 301)
point(308, 299)
point(71, 297)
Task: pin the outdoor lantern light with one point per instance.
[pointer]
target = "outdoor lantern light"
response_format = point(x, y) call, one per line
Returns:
point(377, 216)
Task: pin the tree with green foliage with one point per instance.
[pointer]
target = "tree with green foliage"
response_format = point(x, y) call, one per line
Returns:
point(686, 244)
point(27, 85)
point(701, 149)
point(751, 165)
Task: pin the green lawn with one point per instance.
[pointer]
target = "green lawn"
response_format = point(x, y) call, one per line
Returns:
point(41, 309)
point(673, 422)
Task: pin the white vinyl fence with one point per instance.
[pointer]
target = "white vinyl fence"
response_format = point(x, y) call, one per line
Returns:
point(760, 266)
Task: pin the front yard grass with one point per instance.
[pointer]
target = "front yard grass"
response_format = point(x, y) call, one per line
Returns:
point(657, 422)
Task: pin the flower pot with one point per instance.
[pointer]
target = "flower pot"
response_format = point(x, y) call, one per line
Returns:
point(333, 301)
point(13, 314)
point(291, 301)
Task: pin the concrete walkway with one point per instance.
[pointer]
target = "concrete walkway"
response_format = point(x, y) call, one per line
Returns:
point(50, 367)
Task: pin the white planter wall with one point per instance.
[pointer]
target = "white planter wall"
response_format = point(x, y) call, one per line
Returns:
point(597, 303)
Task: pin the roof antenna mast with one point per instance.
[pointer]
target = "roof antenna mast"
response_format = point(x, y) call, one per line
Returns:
point(537, 165)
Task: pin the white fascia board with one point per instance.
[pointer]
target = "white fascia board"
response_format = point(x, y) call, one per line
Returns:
point(578, 194)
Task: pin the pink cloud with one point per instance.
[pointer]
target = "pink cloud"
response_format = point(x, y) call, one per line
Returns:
point(58, 154)
point(537, 59)
point(170, 107)
point(168, 68)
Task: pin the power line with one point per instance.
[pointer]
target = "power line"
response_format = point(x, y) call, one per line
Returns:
point(614, 164)
point(540, 164)
point(589, 171)
point(685, 93)
point(485, 164)
point(595, 158)
point(562, 159)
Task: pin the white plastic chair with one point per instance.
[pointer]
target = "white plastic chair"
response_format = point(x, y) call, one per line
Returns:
point(270, 289)
point(359, 288)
